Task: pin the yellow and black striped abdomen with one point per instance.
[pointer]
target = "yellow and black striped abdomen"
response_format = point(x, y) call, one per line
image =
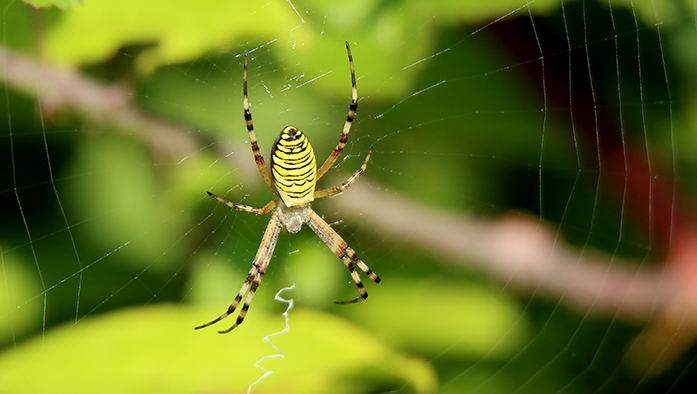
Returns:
point(293, 167)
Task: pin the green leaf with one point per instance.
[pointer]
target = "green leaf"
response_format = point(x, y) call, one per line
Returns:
point(156, 349)
point(51, 3)
point(181, 31)
point(22, 298)
point(469, 320)
point(309, 41)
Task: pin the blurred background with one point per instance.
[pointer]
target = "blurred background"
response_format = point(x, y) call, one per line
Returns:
point(529, 204)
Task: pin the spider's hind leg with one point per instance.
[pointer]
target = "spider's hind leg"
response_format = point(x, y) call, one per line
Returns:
point(261, 262)
point(341, 249)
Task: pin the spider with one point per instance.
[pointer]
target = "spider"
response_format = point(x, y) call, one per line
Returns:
point(293, 177)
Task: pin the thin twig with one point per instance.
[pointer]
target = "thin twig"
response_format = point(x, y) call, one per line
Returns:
point(106, 106)
point(518, 249)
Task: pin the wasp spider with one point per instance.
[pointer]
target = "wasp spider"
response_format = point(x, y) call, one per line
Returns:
point(293, 177)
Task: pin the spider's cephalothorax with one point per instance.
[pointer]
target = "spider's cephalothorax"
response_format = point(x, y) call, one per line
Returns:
point(293, 177)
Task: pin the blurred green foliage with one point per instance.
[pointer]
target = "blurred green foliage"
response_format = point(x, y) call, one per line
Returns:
point(153, 349)
point(62, 4)
point(116, 256)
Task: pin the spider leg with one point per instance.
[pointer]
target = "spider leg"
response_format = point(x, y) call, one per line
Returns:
point(347, 126)
point(342, 251)
point(261, 262)
point(259, 211)
point(252, 136)
point(340, 189)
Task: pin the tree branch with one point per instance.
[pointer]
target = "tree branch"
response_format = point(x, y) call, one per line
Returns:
point(519, 250)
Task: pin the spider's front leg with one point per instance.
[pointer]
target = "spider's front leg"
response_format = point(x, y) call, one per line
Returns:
point(349, 119)
point(258, 158)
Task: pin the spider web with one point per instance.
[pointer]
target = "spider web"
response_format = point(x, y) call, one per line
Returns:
point(528, 204)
